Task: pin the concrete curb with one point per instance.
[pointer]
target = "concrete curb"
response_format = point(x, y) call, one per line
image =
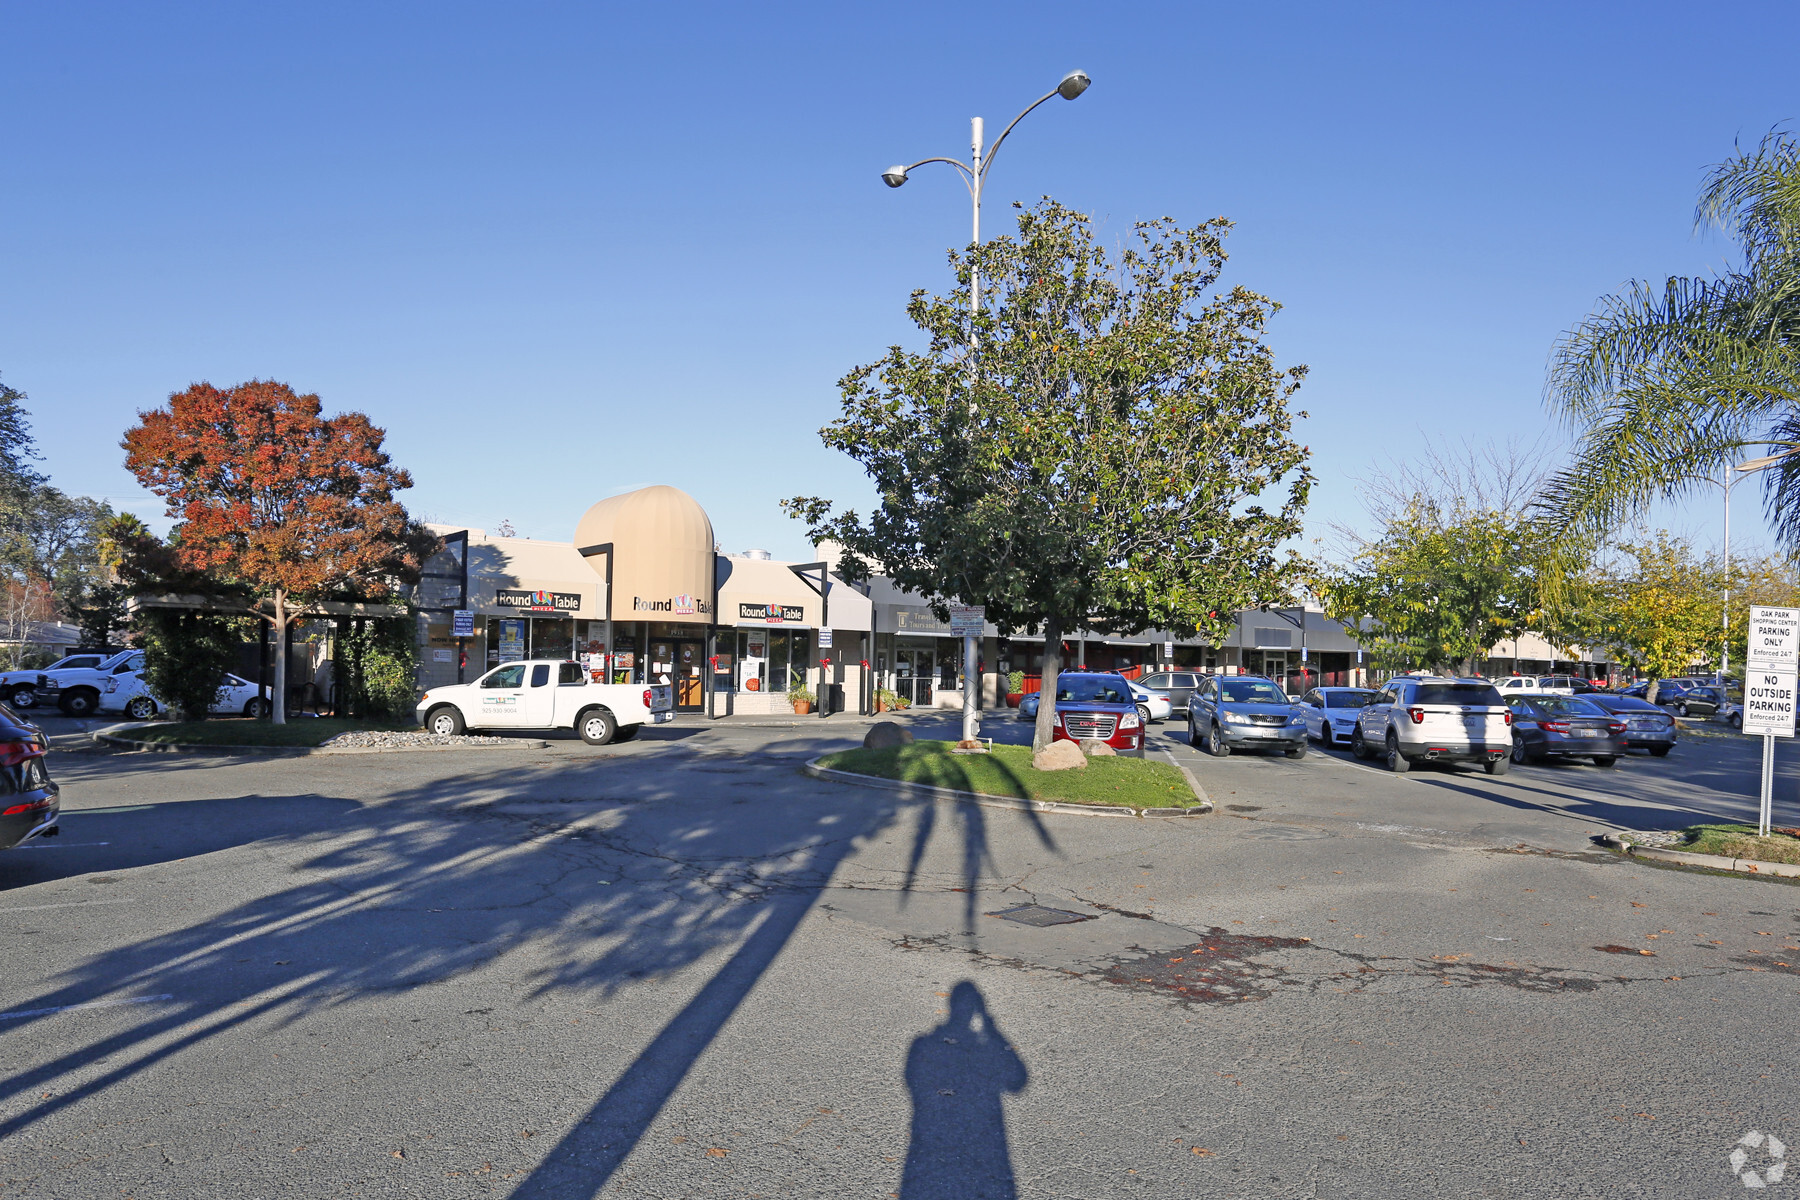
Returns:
point(107, 737)
point(925, 791)
point(1715, 862)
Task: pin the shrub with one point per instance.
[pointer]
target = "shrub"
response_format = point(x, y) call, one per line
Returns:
point(186, 656)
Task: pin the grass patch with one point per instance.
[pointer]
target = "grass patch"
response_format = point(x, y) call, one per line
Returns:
point(1740, 841)
point(239, 731)
point(1130, 782)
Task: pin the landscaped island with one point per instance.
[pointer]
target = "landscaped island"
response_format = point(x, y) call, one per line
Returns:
point(1007, 771)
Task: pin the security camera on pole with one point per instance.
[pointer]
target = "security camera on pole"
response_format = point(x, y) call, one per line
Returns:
point(975, 177)
point(1769, 676)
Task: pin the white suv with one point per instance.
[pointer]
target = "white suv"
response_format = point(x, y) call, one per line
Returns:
point(1414, 719)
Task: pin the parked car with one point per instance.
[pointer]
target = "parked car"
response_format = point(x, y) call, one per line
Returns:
point(1152, 705)
point(1547, 726)
point(1703, 701)
point(76, 690)
point(1245, 712)
point(1412, 720)
point(1331, 712)
point(19, 688)
point(1094, 704)
point(549, 694)
point(1647, 726)
point(1559, 685)
point(127, 693)
point(29, 801)
point(1176, 685)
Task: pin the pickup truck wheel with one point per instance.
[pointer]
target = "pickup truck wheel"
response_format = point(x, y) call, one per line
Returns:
point(597, 727)
point(80, 703)
point(23, 697)
point(141, 708)
point(444, 722)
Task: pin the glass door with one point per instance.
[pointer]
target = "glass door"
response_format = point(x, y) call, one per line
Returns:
point(690, 662)
point(915, 670)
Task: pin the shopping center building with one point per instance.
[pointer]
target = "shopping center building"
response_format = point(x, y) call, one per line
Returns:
point(643, 593)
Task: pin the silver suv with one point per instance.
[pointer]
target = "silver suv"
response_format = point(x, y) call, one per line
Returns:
point(1424, 719)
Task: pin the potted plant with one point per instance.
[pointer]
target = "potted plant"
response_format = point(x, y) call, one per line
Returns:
point(888, 701)
point(800, 696)
point(1015, 688)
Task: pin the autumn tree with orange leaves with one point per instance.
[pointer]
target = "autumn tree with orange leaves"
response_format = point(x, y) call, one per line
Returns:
point(273, 498)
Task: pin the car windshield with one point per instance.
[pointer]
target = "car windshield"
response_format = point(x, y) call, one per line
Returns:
point(1569, 706)
point(1457, 693)
point(1091, 691)
point(1252, 691)
point(1355, 699)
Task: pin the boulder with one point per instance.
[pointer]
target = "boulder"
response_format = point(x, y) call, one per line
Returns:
point(884, 735)
point(1059, 756)
point(1095, 748)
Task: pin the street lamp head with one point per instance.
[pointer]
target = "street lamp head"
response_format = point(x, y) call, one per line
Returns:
point(894, 176)
point(1073, 84)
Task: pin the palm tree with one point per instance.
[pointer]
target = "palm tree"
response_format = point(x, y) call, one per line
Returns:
point(1666, 386)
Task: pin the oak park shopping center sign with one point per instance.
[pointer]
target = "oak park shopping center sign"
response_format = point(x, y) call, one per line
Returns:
point(1773, 659)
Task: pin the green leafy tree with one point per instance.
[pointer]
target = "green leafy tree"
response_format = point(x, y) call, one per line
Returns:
point(1093, 448)
point(1665, 383)
point(186, 656)
point(1658, 605)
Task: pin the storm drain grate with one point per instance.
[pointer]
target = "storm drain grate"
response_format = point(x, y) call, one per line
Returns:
point(1038, 915)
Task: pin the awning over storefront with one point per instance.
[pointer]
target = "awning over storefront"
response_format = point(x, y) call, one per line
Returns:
point(524, 577)
point(756, 591)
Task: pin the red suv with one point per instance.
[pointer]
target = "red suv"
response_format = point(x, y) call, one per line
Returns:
point(1098, 706)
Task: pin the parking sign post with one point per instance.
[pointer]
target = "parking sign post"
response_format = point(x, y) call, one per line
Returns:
point(1769, 677)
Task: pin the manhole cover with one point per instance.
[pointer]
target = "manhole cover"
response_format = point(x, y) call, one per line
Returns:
point(1037, 914)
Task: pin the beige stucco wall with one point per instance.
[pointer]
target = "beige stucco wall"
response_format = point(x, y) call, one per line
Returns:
point(663, 555)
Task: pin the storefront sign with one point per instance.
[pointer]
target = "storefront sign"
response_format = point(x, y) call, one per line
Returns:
point(919, 620)
point(537, 601)
point(824, 639)
point(774, 614)
point(675, 606)
point(462, 623)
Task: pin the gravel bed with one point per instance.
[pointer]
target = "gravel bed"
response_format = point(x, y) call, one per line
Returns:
point(366, 739)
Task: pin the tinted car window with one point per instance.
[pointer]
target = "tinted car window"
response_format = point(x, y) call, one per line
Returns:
point(1186, 681)
point(1355, 699)
point(509, 676)
point(1456, 693)
point(1092, 691)
point(1312, 698)
point(1156, 681)
point(1253, 691)
point(1569, 706)
point(540, 674)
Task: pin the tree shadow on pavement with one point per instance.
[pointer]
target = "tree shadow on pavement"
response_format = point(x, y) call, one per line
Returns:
point(611, 870)
point(959, 1073)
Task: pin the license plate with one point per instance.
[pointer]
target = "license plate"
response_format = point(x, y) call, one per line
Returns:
point(657, 718)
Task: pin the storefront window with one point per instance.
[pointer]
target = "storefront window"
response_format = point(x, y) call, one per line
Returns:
point(552, 637)
point(790, 654)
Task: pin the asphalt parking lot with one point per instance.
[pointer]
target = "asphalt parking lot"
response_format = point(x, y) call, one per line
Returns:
point(680, 967)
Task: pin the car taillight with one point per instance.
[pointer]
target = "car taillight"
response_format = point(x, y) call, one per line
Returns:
point(14, 753)
point(1616, 726)
point(646, 697)
point(1507, 716)
point(17, 809)
point(1417, 714)
point(1556, 726)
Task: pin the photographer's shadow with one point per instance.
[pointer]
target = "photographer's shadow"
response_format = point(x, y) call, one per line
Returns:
point(958, 1074)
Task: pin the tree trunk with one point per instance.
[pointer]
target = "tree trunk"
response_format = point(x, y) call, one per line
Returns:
point(278, 702)
point(1651, 692)
point(1045, 728)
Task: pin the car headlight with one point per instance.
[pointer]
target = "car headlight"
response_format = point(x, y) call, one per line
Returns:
point(1128, 721)
point(1296, 718)
point(1232, 718)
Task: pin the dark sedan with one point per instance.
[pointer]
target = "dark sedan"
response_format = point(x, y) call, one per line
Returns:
point(28, 797)
point(1564, 727)
point(1703, 701)
point(1647, 726)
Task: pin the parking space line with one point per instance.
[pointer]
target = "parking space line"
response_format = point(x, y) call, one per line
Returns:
point(66, 904)
point(62, 1008)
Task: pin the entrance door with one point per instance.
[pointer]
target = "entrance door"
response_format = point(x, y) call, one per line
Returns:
point(914, 674)
point(690, 662)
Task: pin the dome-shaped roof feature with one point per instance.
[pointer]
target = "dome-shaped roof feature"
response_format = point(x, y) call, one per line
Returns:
point(661, 558)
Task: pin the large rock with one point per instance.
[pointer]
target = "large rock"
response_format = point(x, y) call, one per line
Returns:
point(1059, 756)
point(1095, 748)
point(884, 735)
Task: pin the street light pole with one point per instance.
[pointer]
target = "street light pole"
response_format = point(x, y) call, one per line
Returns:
point(975, 179)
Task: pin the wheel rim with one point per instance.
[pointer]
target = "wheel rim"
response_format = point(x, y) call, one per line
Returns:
point(596, 728)
point(1213, 740)
point(1518, 752)
point(23, 699)
point(442, 725)
point(140, 710)
point(79, 705)
point(1144, 713)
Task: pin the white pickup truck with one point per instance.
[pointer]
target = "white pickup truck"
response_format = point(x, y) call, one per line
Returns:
point(77, 690)
point(547, 694)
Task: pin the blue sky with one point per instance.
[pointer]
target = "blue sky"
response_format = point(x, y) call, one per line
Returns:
point(562, 250)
